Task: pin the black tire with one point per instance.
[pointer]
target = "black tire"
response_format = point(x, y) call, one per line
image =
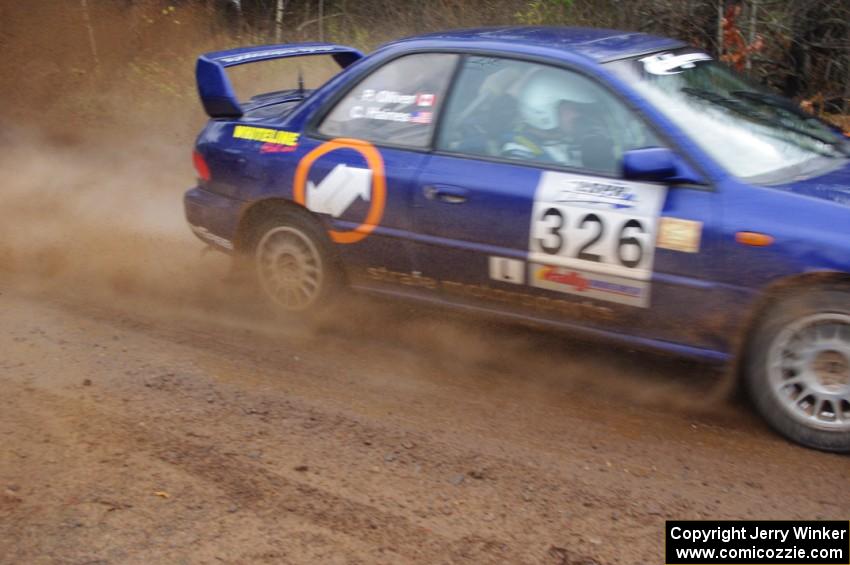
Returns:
point(311, 251)
point(784, 348)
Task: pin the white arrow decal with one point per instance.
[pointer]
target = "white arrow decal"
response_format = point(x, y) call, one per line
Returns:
point(338, 190)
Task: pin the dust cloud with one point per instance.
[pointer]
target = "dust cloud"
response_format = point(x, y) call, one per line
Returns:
point(96, 157)
point(96, 152)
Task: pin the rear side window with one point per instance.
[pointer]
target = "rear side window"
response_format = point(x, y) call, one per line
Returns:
point(397, 105)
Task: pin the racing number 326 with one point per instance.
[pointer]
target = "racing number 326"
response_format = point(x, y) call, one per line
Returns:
point(593, 235)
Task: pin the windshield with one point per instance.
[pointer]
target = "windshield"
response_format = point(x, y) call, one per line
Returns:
point(755, 135)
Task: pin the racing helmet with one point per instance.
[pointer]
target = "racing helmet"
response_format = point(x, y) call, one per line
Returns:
point(543, 92)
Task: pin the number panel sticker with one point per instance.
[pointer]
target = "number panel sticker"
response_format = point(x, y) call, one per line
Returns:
point(594, 237)
point(604, 226)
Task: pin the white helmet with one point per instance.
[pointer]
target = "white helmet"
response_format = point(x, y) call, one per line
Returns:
point(544, 90)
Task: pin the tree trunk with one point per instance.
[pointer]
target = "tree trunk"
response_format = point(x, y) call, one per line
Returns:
point(321, 20)
point(802, 30)
point(278, 21)
point(754, 6)
point(846, 106)
point(720, 28)
point(92, 40)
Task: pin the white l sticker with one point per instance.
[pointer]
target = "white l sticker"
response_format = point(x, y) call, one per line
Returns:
point(507, 270)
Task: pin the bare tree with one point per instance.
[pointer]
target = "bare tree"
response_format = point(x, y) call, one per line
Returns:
point(278, 20)
point(90, 30)
point(321, 20)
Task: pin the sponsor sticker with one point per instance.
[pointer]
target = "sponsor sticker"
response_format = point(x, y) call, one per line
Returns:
point(592, 285)
point(344, 184)
point(564, 277)
point(274, 148)
point(340, 188)
point(510, 298)
point(677, 234)
point(672, 64)
point(267, 136)
point(589, 192)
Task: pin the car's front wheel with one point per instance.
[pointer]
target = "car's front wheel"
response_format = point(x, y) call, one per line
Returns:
point(798, 368)
point(294, 264)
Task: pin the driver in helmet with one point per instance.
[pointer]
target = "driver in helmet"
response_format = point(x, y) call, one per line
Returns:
point(556, 124)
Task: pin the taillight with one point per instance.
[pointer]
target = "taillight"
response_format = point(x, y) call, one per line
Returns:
point(201, 166)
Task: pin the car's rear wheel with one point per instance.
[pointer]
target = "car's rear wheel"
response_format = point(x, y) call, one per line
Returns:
point(294, 264)
point(798, 368)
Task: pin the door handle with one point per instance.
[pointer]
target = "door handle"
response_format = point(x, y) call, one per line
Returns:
point(448, 194)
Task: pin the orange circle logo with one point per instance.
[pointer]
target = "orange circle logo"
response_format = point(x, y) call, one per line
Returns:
point(379, 184)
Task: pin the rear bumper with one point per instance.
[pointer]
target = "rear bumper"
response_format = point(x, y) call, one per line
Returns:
point(212, 217)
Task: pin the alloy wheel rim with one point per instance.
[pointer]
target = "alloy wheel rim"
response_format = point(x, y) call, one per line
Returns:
point(289, 268)
point(809, 370)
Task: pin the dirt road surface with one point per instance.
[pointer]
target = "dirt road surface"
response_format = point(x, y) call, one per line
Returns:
point(152, 413)
point(136, 433)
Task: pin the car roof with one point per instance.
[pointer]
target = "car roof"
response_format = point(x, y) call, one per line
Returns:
point(598, 44)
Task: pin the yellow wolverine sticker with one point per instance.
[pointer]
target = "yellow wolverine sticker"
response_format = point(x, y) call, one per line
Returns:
point(266, 135)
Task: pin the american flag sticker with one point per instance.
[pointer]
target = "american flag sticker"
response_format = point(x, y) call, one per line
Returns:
point(426, 100)
point(421, 117)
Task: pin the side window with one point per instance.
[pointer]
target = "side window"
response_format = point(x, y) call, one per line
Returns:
point(398, 104)
point(537, 113)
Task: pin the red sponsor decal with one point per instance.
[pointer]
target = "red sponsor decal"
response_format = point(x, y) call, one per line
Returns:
point(570, 278)
point(275, 148)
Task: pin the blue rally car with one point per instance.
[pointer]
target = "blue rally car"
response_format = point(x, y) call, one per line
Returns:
point(617, 184)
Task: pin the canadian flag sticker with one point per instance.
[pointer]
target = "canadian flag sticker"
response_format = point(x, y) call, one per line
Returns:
point(426, 100)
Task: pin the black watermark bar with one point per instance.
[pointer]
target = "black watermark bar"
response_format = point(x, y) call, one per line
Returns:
point(745, 542)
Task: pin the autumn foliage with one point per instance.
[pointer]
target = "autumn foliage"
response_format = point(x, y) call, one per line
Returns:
point(736, 51)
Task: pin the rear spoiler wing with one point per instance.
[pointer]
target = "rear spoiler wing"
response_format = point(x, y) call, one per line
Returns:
point(214, 86)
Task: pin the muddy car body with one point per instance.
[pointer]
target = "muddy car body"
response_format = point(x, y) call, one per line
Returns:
point(701, 216)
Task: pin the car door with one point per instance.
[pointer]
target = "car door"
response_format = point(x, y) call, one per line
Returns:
point(507, 222)
point(360, 164)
